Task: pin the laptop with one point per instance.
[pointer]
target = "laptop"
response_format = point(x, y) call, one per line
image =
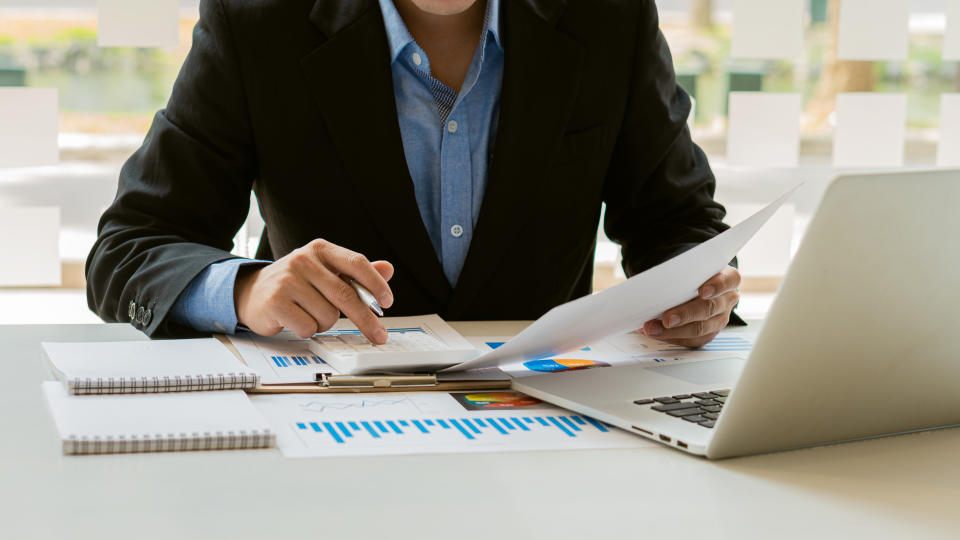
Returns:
point(862, 340)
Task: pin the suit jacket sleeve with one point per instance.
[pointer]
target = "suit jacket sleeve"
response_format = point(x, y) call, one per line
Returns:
point(184, 194)
point(659, 187)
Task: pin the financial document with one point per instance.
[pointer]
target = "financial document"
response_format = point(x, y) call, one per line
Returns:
point(625, 307)
point(281, 359)
point(312, 425)
point(629, 348)
point(289, 359)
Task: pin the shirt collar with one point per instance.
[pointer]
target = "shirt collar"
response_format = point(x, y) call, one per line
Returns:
point(399, 37)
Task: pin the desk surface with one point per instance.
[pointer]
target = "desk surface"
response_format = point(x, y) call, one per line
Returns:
point(906, 486)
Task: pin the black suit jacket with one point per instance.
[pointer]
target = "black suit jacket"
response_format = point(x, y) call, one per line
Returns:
point(294, 99)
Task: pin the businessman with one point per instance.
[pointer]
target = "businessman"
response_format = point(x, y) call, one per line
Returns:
point(463, 146)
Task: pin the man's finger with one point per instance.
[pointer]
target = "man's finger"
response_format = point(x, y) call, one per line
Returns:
point(350, 263)
point(292, 316)
point(697, 309)
point(696, 329)
point(724, 281)
point(339, 293)
point(385, 269)
point(310, 300)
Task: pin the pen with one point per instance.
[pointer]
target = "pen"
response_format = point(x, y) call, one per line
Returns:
point(366, 297)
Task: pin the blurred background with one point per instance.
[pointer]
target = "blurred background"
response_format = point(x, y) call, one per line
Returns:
point(107, 95)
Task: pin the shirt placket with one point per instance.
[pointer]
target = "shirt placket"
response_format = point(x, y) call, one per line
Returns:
point(456, 185)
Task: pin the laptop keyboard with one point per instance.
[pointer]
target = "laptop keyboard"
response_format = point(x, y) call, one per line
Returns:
point(701, 408)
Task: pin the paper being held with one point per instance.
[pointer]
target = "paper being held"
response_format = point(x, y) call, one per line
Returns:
point(625, 307)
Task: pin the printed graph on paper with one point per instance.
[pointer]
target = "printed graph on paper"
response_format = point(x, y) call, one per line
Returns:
point(430, 422)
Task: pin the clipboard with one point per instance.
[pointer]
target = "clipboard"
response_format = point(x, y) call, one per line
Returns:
point(341, 384)
point(387, 382)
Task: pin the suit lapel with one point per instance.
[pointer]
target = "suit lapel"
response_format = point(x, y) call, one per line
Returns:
point(351, 79)
point(540, 83)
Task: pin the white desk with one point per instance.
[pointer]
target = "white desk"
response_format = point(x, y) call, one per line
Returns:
point(900, 487)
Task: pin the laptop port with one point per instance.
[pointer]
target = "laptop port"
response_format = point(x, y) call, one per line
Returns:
point(682, 444)
point(664, 438)
point(641, 430)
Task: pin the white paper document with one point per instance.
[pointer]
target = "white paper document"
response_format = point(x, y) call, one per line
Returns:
point(281, 359)
point(764, 129)
point(768, 253)
point(872, 30)
point(312, 425)
point(138, 23)
point(948, 150)
point(767, 29)
point(30, 243)
point(29, 125)
point(625, 307)
point(629, 348)
point(412, 341)
point(870, 130)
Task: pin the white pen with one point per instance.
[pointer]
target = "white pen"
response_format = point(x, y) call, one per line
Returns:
point(367, 297)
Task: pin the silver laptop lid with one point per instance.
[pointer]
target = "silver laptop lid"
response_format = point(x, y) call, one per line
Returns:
point(864, 336)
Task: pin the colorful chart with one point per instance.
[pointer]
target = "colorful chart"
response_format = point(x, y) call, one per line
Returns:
point(551, 365)
point(480, 401)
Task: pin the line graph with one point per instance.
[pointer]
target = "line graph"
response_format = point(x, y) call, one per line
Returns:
point(362, 403)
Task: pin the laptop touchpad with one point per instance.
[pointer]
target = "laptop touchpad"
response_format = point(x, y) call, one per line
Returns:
point(723, 370)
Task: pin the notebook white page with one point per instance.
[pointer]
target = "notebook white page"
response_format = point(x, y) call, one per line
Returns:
point(171, 416)
point(205, 359)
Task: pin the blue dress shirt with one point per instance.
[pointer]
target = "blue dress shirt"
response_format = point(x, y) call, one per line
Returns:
point(446, 140)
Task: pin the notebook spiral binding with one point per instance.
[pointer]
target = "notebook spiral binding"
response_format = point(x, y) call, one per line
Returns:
point(171, 442)
point(187, 383)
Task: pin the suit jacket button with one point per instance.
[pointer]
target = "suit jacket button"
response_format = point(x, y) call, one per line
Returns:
point(140, 313)
point(132, 310)
point(147, 317)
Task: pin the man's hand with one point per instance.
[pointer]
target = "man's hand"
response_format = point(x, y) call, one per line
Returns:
point(697, 322)
point(308, 289)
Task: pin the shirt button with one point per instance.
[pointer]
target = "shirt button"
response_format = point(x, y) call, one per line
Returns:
point(416, 59)
point(456, 231)
point(452, 126)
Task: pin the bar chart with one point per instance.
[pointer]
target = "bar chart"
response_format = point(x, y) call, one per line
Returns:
point(287, 361)
point(470, 429)
point(426, 423)
point(722, 343)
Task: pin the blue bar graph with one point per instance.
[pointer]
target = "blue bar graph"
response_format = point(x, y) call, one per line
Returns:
point(370, 430)
point(722, 344)
point(293, 361)
point(350, 332)
point(343, 431)
point(462, 430)
point(520, 424)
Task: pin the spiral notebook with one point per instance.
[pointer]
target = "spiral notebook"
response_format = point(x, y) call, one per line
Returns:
point(169, 422)
point(125, 367)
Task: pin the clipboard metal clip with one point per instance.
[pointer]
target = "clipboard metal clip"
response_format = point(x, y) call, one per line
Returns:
point(375, 381)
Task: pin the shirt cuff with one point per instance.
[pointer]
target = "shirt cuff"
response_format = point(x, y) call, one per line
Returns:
point(206, 305)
